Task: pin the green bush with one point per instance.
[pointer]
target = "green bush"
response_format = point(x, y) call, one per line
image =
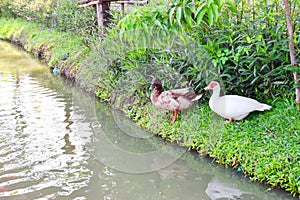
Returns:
point(176, 15)
point(62, 15)
point(250, 50)
point(54, 47)
point(247, 46)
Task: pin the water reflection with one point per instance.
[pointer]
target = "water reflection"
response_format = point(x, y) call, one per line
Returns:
point(40, 154)
point(217, 189)
point(51, 135)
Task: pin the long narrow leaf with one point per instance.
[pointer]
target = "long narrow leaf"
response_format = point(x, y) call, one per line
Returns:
point(200, 16)
point(171, 15)
point(178, 15)
point(218, 3)
point(199, 9)
point(188, 16)
point(210, 17)
point(158, 23)
point(215, 11)
point(192, 7)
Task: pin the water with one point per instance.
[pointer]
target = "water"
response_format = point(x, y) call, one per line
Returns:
point(58, 143)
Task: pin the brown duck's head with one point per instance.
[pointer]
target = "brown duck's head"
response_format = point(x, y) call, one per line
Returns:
point(156, 83)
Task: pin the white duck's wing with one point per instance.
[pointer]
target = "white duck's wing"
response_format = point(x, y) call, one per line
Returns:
point(237, 107)
point(167, 101)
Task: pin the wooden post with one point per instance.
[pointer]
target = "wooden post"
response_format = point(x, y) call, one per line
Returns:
point(292, 49)
point(123, 7)
point(105, 12)
point(102, 10)
point(100, 17)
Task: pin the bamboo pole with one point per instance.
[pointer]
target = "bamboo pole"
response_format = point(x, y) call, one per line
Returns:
point(89, 4)
point(83, 1)
point(100, 18)
point(86, 3)
point(131, 2)
point(292, 49)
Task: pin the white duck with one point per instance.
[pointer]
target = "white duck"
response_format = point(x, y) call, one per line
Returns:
point(232, 107)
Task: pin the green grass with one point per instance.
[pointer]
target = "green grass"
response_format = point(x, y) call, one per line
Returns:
point(266, 145)
point(56, 48)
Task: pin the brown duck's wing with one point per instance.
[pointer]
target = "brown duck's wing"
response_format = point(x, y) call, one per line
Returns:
point(184, 103)
point(181, 91)
point(167, 100)
point(186, 93)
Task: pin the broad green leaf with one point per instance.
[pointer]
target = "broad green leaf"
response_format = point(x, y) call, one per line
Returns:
point(248, 39)
point(215, 62)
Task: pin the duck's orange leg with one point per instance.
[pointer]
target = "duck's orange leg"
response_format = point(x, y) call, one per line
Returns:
point(229, 120)
point(175, 116)
point(170, 118)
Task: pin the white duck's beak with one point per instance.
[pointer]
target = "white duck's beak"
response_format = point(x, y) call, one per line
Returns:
point(207, 88)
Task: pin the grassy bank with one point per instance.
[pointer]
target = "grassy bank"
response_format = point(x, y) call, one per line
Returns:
point(60, 49)
point(265, 146)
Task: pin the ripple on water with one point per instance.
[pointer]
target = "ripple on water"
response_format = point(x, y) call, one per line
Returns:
point(38, 155)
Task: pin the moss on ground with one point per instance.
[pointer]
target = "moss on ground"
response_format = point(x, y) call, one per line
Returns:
point(265, 146)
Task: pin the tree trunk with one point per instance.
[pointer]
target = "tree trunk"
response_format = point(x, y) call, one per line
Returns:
point(106, 13)
point(292, 48)
point(103, 15)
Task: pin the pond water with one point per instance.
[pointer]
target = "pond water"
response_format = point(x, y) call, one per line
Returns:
point(56, 142)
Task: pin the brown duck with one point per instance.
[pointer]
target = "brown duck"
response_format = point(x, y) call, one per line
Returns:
point(174, 100)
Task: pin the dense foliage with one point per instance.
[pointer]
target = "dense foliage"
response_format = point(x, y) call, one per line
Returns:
point(53, 47)
point(59, 14)
point(248, 45)
point(175, 16)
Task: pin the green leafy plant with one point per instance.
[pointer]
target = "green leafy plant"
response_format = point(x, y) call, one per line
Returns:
point(62, 15)
point(178, 15)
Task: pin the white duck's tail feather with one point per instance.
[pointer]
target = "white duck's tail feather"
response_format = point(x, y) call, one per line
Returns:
point(263, 107)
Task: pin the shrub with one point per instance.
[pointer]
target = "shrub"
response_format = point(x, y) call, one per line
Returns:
point(59, 14)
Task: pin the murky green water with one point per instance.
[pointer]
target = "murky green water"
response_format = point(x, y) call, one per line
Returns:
point(58, 143)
